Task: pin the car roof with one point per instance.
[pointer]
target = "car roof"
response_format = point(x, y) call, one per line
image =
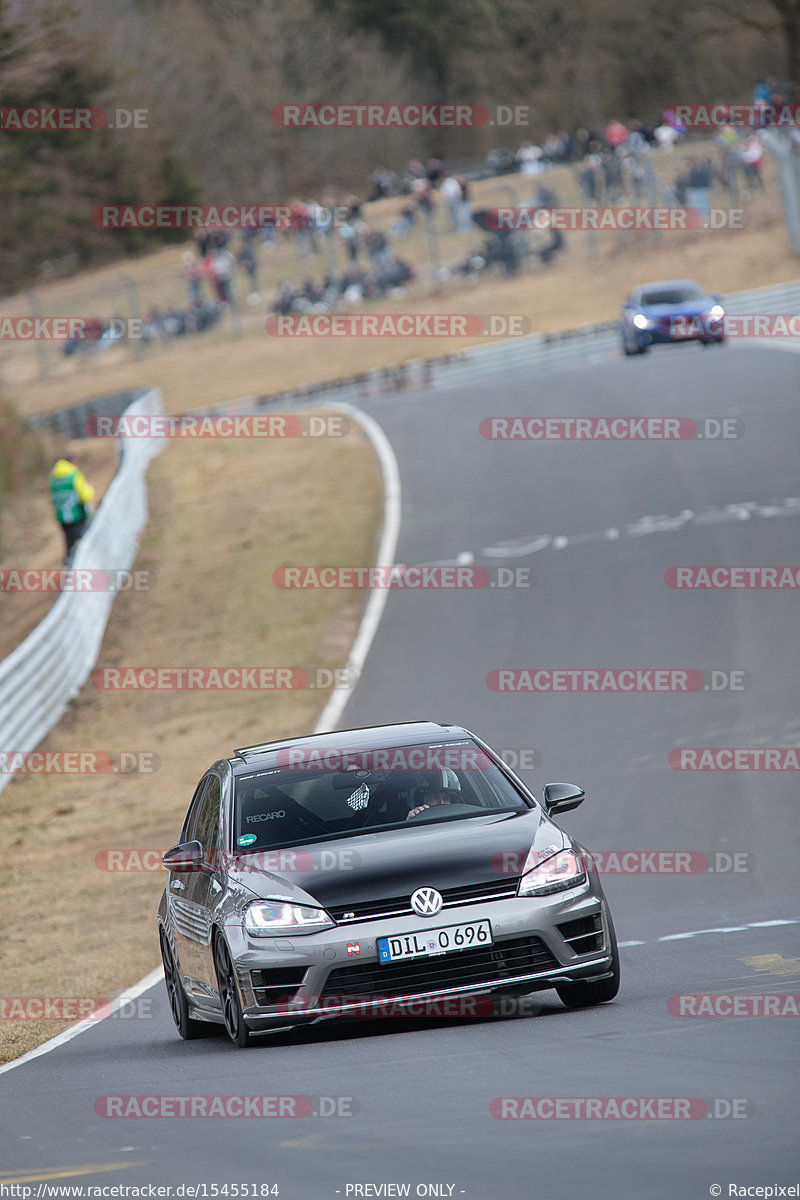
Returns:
point(371, 737)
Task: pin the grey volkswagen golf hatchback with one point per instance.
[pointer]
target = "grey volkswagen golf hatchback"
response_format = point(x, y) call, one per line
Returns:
point(399, 869)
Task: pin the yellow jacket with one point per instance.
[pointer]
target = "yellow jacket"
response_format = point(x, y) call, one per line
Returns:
point(70, 492)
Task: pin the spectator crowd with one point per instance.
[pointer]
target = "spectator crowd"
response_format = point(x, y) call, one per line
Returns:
point(359, 262)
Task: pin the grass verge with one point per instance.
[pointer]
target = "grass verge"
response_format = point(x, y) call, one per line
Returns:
point(223, 517)
point(584, 284)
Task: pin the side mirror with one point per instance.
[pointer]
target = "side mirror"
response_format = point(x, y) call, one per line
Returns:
point(188, 856)
point(717, 296)
point(561, 797)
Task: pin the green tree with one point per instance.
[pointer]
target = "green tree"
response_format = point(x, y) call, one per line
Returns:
point(52, 179)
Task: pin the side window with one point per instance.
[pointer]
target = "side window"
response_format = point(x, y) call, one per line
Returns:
point(191, 815)
point(207, 829)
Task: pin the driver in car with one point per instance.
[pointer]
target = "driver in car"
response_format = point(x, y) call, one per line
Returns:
point(434, 796)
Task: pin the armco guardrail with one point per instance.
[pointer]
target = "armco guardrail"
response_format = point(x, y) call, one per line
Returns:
point(71, 422)
point(537, 350)
point(47, 670)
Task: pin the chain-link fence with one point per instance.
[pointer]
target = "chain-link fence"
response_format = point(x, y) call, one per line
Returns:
point(391, 250)
point(786, 152)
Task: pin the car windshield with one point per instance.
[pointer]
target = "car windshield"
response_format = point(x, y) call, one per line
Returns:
point(323, 794)
point(673, 295)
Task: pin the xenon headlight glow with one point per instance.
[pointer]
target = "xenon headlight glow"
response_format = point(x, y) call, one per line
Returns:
point(558, 873)
point(271, 918)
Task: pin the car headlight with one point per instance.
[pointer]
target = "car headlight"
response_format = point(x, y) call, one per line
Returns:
point(561, 871)
point(716, 311)
point(272, 918)
point(642, 322)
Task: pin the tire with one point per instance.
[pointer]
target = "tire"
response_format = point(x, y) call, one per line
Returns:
point(643, 348)
point(187, 1027)
point(627, 350)
point(587, 995)
point(229, 995)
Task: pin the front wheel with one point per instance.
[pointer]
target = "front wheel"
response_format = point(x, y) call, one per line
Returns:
point(586, 995)
point(229, 995)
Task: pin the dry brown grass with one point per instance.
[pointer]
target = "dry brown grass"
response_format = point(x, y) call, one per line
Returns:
point(223, 517)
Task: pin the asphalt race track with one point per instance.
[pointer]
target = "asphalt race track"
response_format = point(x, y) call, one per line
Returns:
point(420, 1090)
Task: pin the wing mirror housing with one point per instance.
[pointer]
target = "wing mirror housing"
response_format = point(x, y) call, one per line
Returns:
point(188, 856)
point(561, 797)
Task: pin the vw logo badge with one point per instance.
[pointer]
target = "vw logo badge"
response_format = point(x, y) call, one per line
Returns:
point(426, 901)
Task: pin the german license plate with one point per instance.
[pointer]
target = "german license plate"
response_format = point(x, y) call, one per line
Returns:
point(425, 943)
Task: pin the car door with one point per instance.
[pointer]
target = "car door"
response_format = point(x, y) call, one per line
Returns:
point(177, 893)
point(204, 888)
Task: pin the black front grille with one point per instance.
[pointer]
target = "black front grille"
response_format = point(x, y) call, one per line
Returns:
point(584, 935)
point(276, 987)
point(508, 959)
point(400, 906)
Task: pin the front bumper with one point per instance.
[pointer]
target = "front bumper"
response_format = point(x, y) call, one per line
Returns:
point(669, 331)
point(537, 943)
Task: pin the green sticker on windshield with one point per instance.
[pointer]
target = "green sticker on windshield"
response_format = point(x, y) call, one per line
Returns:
point(246, 839)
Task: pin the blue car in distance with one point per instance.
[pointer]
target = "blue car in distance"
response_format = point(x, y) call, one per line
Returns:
point(674, 310)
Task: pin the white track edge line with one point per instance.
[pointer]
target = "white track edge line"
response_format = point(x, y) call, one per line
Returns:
point(335, 706)
point(125, 997)
point(691, 933)
point(367, 629)
point(390, 531)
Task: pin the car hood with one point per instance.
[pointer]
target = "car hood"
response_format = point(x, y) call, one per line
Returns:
point(686, 308)
point(382, 865)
